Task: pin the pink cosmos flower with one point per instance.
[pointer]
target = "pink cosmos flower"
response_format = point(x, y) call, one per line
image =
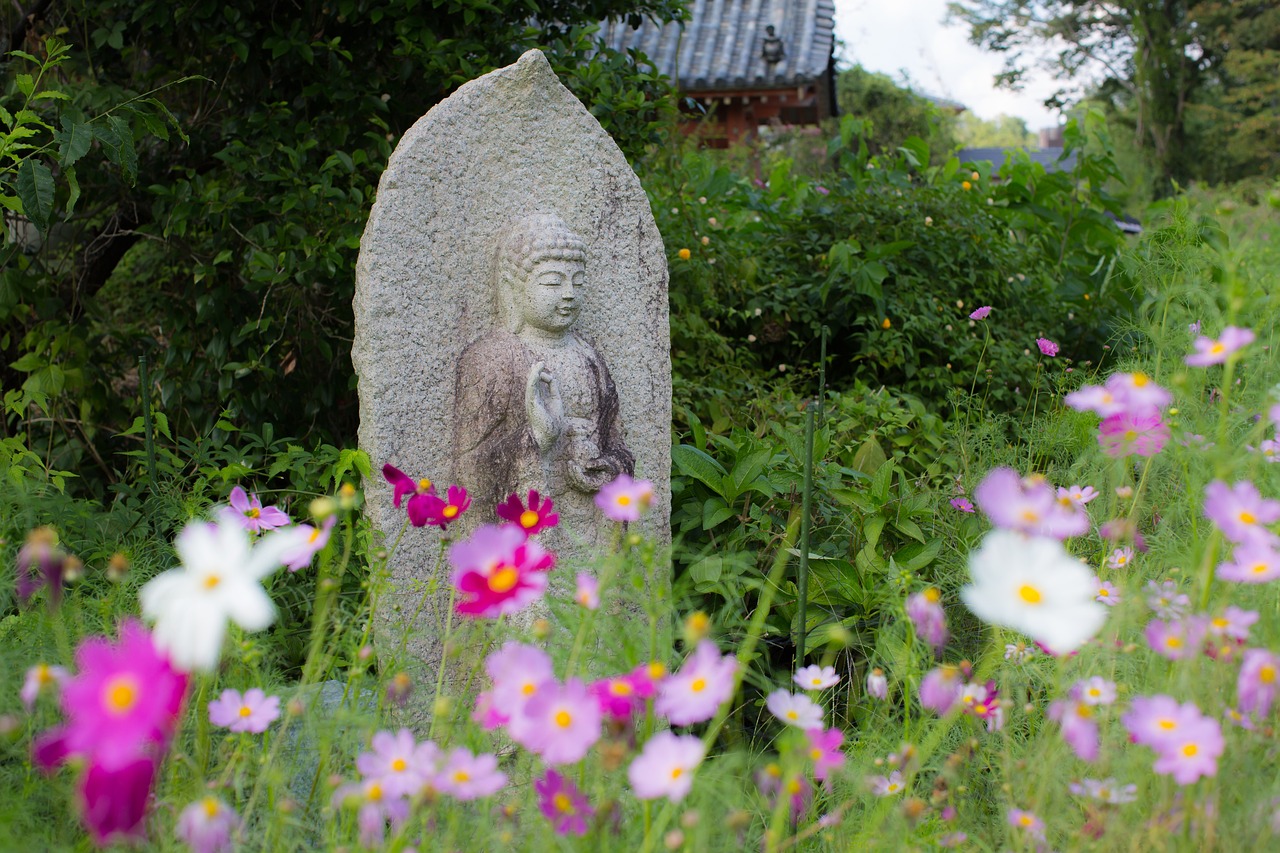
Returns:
point(207, 826)
point(622, 696)
point(1029, 505)
point(1254, 562)
point(665, 766)
point(1208, 351)
point(625, 499)
point(113, 800)
point(877, 684)
point(399, 763)
point(1104, 791)
point(485, 714)
point(1107, 593)
point(1154, 720)
point(252, 712)
point(1094, 690)
point(468, 777)
point(532, 517)
point(824, 751)
point(815, 677)
point(1129, 434)
point(1123, 530)
point(498, 571)
point(794, 709)
point(979, 700)
point(317, 538)
point(1047, 347)
point(1241, 513)
point(564, 721)
point(940, 689)
point(925, 611)
point(1270, 450)
point(1191, 752)
point(39, 564)
point(887, 786)
point(518, 672)
point(980, 313)
point(696, 692)
point(441, 512)
point(1239, 719)
point(123, 703)
point(563, 804)
point(1026, 822)
point(962, 504)
point(1258, 681)
point(1233, 624)
point(376, 807)
point(1135, 393)
point(1176, 640)
point(797, 790)
point(1165, 599)
point(1079, 729)
point(1078, 495)
point(418, 490)
point(40, 678)
point(588, 592)
point(1119, 558)
point(253, 515)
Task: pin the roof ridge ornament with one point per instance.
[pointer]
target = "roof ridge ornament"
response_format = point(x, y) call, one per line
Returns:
point(772, 50)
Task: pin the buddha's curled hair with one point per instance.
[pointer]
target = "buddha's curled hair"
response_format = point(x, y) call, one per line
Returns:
point(520, 245)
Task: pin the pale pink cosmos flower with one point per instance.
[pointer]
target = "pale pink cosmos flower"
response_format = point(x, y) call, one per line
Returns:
point(1027, 822)
point(1233, 624)
point(518, 672)
point(1094, 690)
point(887, 786)
point(207, 826)
point(940, 689)
point(696, 692)
point(1258, 682)
point(376, 808)
point(1240, 512)
point(625, 499)
point(1104, 791)
point(1176, 640)
point(1107, 593)
point(795, 709)
point(1165, 599)
point(1078, 495)
point(824, 751)
point(316, 539)
point(1270, 450)
point(1251, 563)
point(40, 678)
point(814, 677)
point(1029, 505)
point(587, 593)
point(1079, 729)
point(1120, 558)
point(564, 721)
point(979, 700)
point(1239, 719)
point(399, 762)
point(1129, 434)
point(926, 614)
point(665, 766)
point(1155, 720)
point(469, 777)
point(1208, 351)
point(877, 684)
point(1047, 347)
point(253, 515)
point(980, 313)
point(253, 712)
point(1191, 752)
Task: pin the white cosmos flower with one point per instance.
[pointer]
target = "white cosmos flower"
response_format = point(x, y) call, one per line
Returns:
point(795, 709)
point(219, 579)
point(1031, 584)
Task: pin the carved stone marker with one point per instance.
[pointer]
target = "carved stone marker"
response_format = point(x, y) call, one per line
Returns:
point(511, 326)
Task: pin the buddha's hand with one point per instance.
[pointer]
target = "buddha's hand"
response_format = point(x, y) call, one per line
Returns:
point(543, 406)
point(590, 476)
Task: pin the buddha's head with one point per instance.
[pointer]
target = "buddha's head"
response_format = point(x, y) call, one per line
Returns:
point(540, 269)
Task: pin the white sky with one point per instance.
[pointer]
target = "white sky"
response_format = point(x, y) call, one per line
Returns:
point(890, 36)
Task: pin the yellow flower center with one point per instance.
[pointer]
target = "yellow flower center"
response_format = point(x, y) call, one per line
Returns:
point(246, 711)
point(677, 772)
point(894, 788)
point(399, 765)
point(374, 792)
point(504, 579)
point(1030, 516)
point(932, 596)
point(1104, 592)
point(528, 519)
point(43, 674)
point(254, 512)
point(1030, 594)
point(315, 534)
point(212, 581)
point(563, 719)
point(980, 709)
point(120, 694)
point(529, 688)
point(1220, 622)
point(698, 685)
point(210, 806)
point(817, 682)
point(1190, 750)
point(793, 787)
point(1130, 435)
point(656, 670)
point(1025, 820)
point(1121, 560)
point(562, 803)
point(1167, 724)
point(1140, 380)
point(1173, 642)
point(815, 754)
point(1259, 568)
point(1247, 517)
point(624, 500)
point(1218, 348)
point(792, 715)
point(461, 776)
point(424, 485)
point(620, 688)
point(1095, 692)
point(449, 511)
point(1267, 673)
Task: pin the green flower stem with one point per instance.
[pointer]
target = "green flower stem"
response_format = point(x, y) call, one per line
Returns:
point(444, 658)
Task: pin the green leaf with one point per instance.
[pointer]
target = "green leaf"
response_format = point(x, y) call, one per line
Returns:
point(747, 469)
point(715, 511)
point(707, 570)
point(910, 528)
point(870, 457)
point(117, 144)
point(695, 463)
point(871, 528)
point(26, 85)
point(73, 184)
point(917, 555)
point(35, 188)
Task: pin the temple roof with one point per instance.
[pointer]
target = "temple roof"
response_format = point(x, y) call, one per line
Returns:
point(721, 46)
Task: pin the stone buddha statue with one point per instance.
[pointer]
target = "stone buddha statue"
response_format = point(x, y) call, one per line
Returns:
point(535, 406)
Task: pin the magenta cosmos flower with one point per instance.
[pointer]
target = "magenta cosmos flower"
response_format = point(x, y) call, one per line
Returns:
point(665, 766)
point(563, 804)
point(625, 499)
point(533, 517)
point(824, 751)
point(1047, 347)
point(962, 504)
point(564, 722)
point(980, 313)
point(622, 696)
point(113, 801)
point(926, 614)
point(252, 712)
point(253, 515)
point(1208, 351)
point(123, 703)
point(207, 826)
point(696, 692)
point(417, 490)
point(498, 571)
point(316, 539)
point(1029, 505)
point(1258, 681)
point(1240, 512)
point(1133, 434)
point(441, 512)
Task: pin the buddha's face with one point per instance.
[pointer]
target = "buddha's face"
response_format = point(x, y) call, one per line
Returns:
point(552, 295)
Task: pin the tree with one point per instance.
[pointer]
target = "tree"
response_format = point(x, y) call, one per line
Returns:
point(1003, 131)
point(230, 258)
point(896, 113)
